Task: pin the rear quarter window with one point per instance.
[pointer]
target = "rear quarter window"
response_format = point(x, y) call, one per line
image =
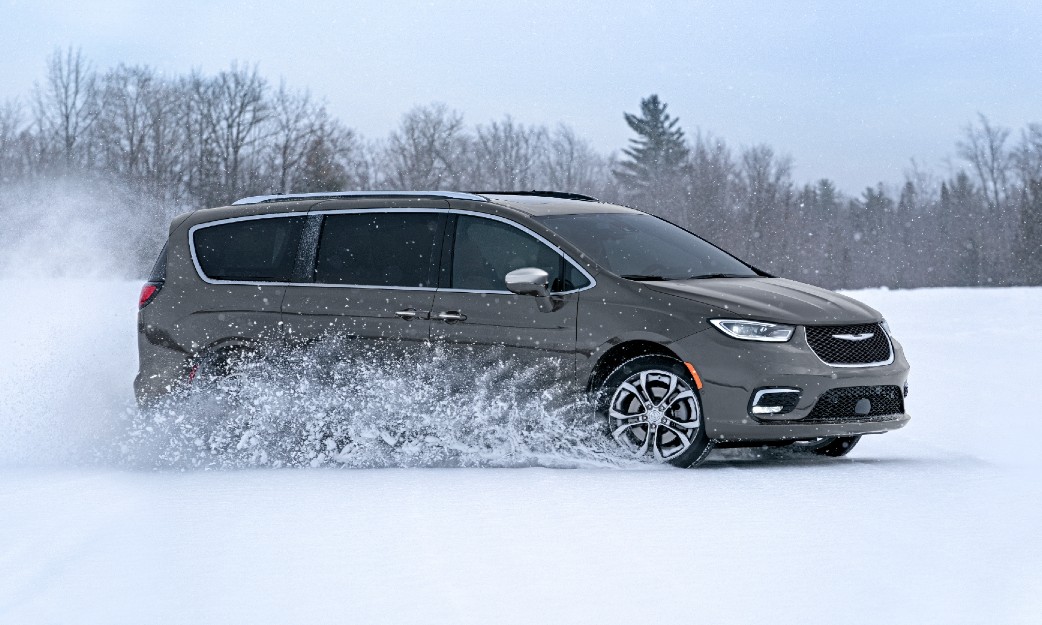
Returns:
point(249, 250)
point(158, 273)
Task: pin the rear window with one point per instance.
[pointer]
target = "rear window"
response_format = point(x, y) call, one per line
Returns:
point(378, 249)
point(250, 250)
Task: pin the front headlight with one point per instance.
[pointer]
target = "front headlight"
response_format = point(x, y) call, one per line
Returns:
point(754, 330)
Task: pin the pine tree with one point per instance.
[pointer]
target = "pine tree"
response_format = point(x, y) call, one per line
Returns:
point(653, 174)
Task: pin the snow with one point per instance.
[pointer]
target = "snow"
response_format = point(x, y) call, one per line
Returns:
point(938, 522)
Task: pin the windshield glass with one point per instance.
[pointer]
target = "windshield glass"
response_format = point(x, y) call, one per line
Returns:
point(641, 247)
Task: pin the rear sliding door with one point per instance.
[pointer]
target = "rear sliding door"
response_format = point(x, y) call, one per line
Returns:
point(373, 280)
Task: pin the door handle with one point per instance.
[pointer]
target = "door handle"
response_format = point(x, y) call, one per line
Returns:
point(407, 314)
point(450, 316)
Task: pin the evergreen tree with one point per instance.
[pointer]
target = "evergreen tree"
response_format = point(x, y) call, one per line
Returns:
point(654, 171)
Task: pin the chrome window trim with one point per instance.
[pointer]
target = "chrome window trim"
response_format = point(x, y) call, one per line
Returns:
point(451, 211)
point(452, 195)
point(771, 391)
point(537, 237)
point(208, 224)
point(881, 363)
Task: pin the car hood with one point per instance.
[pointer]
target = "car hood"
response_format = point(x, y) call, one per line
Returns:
point(771, 299)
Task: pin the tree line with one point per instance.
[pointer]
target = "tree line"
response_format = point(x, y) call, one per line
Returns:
point(198, 140)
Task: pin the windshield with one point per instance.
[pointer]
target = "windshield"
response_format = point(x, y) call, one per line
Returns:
point(642, 247)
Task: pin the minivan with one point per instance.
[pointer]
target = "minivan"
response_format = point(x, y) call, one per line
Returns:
point(680, 346)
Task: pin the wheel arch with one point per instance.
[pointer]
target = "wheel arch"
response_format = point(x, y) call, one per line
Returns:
point(619, 353)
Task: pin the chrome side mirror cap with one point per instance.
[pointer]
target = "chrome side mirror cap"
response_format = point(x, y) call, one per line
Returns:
point(529, 281)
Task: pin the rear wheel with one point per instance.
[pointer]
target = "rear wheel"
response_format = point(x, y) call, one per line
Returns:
point(834, 446)
point(224, 370)
point(653, 411)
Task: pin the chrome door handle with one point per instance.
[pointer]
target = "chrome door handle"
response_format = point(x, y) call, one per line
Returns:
point(407, 314)
point(450, 316)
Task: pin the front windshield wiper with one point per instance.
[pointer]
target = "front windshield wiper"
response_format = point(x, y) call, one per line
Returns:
point(721, 275)
point(644, 277)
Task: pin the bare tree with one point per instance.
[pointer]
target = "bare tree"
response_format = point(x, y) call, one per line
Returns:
point(123, 125)
point(296, 124)
point(711, 181)
point(507, 155)
point(232, 109)
point(427, 151)
point(1027, 157)
point(983, 146)
point(10, 139)
point(570, 164)
point(766, 178)
point(67, 105)
point(763, 184)
point(334, 160)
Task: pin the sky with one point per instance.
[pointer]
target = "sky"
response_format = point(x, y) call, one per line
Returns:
point(851, 90)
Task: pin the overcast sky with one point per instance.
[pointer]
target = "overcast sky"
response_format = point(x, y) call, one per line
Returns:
point(851, 89)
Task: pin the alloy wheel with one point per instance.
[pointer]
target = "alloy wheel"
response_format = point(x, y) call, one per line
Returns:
point(655, 412)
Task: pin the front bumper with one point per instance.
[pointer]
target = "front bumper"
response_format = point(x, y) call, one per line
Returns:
point(732, 370)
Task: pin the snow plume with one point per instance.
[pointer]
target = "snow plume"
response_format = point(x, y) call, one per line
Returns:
point(386, 408)
point(76, 228)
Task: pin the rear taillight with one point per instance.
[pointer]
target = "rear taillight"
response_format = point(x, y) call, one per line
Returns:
point(148, 293)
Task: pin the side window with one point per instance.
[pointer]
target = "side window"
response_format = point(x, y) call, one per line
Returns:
point(487, 250)
point(378, 249)
point(250, 250)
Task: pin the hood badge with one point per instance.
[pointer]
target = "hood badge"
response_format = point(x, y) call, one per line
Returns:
point(854, 337)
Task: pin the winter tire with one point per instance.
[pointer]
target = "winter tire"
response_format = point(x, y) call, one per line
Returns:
point(652, 410)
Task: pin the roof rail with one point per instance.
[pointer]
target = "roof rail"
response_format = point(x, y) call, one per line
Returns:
point(288, 197)
point(564, 195)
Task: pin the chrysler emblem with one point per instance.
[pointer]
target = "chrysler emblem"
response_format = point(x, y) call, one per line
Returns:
point(854, 337)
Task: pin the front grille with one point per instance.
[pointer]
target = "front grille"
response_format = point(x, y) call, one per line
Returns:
point(846, 351)
point(840, 404)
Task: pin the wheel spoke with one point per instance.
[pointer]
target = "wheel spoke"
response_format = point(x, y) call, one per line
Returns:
point(680, 425)
point(621, 416)
point(646, 398)
point(659, 455)
point(619, 434)
point(685, 440)
point(686, 394)
point(619, 430)
point(649, 434)
point(666, 401)
point(629, 388)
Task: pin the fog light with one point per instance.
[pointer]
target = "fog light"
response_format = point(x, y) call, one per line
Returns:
point(774, 401)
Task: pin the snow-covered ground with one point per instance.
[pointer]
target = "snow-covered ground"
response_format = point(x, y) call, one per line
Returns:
point(936, 523)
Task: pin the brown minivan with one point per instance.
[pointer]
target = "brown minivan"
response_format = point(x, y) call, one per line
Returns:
point(682, 345)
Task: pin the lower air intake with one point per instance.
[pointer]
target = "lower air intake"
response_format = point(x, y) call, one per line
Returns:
point(857, 403)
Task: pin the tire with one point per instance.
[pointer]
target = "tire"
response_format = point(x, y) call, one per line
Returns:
point(835, 446)
point(224, 369)
point(654, 394)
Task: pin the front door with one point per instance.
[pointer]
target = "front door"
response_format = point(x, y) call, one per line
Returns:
point(481, 323)
point(373, 282)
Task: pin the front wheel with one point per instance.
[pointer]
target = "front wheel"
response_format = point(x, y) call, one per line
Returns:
point(834, 446)
point(653, 411)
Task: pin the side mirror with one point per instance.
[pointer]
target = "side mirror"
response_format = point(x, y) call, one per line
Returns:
point(529, 281)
